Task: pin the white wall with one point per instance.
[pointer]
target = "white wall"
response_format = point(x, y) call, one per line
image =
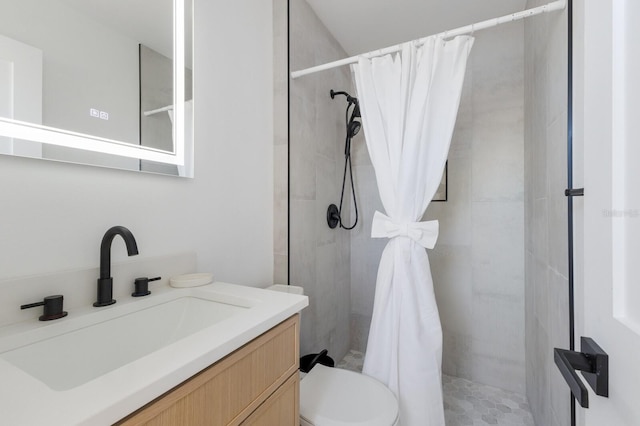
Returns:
point(53, 215)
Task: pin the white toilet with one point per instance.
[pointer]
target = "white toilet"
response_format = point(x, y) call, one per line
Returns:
point(337, 397)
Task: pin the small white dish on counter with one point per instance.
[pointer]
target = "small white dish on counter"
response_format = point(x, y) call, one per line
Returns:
point(191, 280)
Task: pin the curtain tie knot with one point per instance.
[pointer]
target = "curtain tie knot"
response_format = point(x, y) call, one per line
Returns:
point(423, 233)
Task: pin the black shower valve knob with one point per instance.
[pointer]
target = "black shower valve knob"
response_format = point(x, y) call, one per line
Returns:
point(142, 286)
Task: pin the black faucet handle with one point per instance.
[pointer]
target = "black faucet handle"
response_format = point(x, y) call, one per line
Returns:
point(142, 286)
point(52, 307)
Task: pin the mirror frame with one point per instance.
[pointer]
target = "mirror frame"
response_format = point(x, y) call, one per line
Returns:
point(54, 136)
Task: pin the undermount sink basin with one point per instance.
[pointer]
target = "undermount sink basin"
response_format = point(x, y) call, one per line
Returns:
point(76, 357)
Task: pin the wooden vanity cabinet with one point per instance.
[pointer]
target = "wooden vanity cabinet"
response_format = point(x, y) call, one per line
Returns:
point(256, 385)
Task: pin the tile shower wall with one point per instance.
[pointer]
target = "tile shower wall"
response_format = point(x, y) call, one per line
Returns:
point(478, 263)
point(365, 251)
point(280, 141)
point(546, 286)
point(319, 256)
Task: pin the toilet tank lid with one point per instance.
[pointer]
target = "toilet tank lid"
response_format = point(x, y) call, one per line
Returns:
point(337, 397)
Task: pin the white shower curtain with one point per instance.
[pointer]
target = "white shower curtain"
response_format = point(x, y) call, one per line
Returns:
point(409, 103)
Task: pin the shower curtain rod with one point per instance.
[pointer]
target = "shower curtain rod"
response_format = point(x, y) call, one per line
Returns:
point(489, 23)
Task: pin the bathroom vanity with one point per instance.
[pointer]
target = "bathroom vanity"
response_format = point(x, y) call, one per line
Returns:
point(257, 384)
point(220, 352)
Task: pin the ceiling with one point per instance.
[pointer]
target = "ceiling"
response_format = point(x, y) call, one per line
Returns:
point(364, 25)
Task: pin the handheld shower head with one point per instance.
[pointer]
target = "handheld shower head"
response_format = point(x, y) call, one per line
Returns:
point(354, 128)
point(353, 125)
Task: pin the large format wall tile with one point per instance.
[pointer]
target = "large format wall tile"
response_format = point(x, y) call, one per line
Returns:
point(319, 257)
point(546, 292)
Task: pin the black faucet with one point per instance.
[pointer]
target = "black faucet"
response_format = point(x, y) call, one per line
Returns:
point(105, 282)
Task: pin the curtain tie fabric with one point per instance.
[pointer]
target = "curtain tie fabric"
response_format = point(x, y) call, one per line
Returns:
point(423, 233)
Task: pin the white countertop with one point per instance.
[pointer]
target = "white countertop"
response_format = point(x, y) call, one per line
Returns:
point(25, 400)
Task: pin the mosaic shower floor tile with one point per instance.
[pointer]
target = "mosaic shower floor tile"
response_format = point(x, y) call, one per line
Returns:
point(467, 403)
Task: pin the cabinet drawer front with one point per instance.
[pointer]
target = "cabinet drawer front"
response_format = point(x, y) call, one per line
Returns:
point(281, 409)
point(229, 390)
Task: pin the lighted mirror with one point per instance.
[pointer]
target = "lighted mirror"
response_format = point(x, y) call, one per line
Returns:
point(105, 83)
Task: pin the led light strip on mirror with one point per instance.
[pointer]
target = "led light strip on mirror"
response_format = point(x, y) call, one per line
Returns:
point(53, 136)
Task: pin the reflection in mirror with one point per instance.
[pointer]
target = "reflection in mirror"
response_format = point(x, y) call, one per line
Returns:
point(97, 70)
point(156, 105)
